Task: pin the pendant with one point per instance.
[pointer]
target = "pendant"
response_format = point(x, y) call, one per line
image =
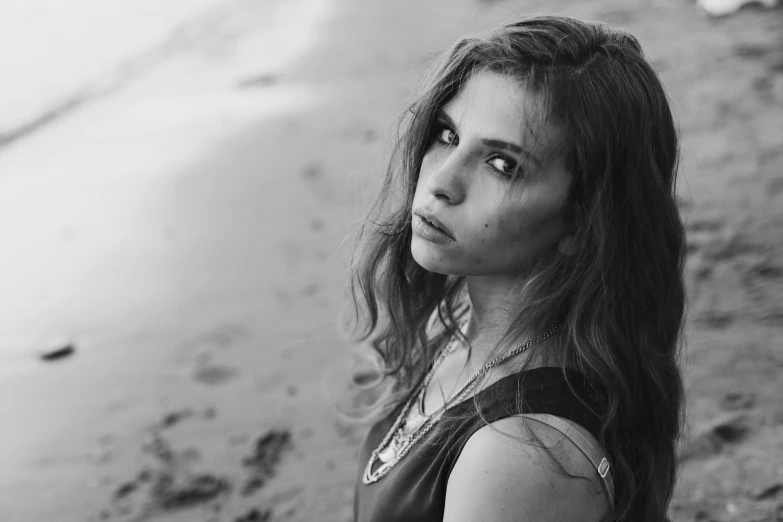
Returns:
point(414, 421)
point(389, 452)
point(395, 447)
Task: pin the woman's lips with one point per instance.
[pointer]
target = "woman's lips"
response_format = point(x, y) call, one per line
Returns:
point(429, 232)
point(435, 222)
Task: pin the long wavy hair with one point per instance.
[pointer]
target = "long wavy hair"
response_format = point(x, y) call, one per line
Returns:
point(621, 297)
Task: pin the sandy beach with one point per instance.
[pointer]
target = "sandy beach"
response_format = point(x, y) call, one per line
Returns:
point(189, 234)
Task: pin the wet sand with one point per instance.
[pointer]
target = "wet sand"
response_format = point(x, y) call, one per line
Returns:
point(190, 235)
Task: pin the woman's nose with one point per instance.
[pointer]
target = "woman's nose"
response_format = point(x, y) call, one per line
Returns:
point(445, 180)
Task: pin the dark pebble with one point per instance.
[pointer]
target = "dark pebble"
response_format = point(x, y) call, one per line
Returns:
point(58, 353)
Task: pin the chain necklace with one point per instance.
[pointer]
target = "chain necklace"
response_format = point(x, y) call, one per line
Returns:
point(403, 435)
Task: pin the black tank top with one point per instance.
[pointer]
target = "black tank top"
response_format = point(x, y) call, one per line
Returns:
point(414, 490)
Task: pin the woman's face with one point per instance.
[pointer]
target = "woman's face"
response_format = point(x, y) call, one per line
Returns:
point(494, 224)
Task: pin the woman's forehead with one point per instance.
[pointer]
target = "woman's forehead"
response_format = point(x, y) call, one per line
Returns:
point(491, 105)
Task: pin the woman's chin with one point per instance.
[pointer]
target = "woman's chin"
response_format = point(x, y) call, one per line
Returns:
point(426, 257)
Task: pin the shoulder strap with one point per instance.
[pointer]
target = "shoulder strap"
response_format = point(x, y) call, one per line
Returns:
point(585, 445)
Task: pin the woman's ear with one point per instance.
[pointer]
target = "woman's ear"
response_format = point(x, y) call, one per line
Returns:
point(568, 245)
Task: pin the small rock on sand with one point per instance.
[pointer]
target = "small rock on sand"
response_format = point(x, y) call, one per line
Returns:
point(57, 353)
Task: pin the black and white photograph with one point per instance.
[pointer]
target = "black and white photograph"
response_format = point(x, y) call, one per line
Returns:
point(375, 261)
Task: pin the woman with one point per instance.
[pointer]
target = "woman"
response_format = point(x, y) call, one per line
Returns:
point(520, 281)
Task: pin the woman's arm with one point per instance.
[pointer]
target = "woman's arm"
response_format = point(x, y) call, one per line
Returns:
point(498, 478)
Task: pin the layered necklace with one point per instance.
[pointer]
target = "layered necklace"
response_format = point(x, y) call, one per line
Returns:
point(412, 425)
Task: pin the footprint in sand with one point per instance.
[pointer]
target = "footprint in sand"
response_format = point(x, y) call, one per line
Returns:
point(726, 430)
point(266, 455)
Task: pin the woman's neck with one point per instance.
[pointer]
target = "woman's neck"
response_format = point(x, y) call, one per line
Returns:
point(494, 305)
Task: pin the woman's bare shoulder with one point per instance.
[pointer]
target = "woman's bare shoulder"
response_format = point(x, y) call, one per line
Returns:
point(504, 474)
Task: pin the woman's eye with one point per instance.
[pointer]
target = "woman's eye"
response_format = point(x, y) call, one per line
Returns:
point(503, 165)
point(446, 136)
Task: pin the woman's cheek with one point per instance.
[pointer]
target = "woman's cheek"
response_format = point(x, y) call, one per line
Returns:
point(485, 235)
point(509, 228)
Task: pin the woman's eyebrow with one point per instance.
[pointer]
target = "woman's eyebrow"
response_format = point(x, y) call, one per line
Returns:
point(493, 143)
point(441, 115)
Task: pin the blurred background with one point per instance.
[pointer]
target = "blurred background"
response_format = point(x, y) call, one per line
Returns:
point(180, 182)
